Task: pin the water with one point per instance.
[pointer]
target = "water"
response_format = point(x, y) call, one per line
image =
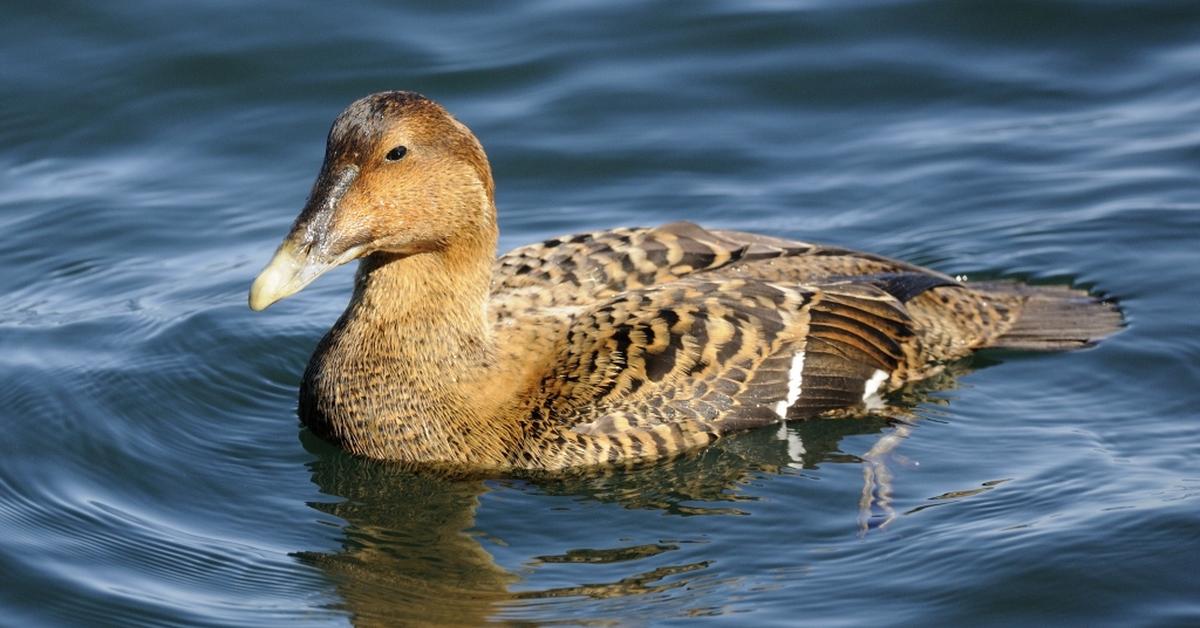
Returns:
point(153, 154)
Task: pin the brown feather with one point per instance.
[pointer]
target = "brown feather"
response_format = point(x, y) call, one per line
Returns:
point(610, 346)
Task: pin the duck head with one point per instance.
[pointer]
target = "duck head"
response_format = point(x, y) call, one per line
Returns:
point(401, 177)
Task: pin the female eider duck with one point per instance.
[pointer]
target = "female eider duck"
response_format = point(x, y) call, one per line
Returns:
point(593, 348)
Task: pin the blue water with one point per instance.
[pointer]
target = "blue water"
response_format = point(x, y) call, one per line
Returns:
point(152, 155)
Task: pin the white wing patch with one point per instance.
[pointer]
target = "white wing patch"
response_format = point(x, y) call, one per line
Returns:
point(871, 389)
point(795, 379)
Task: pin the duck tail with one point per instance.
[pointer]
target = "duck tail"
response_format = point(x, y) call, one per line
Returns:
point(1057, 318)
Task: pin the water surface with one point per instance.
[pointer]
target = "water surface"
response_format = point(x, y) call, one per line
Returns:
point(153, 154)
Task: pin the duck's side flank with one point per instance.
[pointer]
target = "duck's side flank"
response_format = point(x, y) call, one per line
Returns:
point(762, 331)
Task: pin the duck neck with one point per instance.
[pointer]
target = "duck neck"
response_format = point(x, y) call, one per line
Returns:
point(401, 370)
point(428, 309)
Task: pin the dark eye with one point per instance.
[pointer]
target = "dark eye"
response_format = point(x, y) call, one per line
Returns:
point(396, 153)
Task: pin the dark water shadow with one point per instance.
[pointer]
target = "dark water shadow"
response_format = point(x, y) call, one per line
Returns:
point(406, 549)
point(409, 542)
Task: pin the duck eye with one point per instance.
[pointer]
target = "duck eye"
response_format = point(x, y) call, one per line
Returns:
point(396, 153)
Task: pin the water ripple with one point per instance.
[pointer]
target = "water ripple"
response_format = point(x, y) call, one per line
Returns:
point(154, 469)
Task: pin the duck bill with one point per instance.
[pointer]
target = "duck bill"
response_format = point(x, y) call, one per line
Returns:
point(311, 249)
point(288, 272)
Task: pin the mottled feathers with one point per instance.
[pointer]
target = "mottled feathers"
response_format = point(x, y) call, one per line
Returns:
point(598, 347)
point(667, 338)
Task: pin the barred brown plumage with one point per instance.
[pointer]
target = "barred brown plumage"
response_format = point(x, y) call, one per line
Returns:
point(611, 346)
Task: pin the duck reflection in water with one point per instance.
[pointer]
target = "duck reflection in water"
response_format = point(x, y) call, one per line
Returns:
point(411, 541)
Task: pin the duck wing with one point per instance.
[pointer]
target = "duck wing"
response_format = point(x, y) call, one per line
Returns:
point(659, 370)
point(660, 340)
point(586, 268)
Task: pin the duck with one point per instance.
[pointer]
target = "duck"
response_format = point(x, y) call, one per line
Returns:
point(606, 347)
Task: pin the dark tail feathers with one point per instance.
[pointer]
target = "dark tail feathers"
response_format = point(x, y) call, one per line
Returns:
point(1056, 318)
